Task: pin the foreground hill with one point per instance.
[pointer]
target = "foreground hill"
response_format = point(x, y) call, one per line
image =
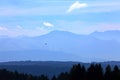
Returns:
point(48, 68)
point(79, 71)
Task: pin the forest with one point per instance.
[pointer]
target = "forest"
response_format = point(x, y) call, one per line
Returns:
point(77, 72)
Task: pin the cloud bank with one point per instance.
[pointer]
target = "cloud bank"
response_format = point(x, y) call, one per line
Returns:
point(19, 31)
point(3, 28)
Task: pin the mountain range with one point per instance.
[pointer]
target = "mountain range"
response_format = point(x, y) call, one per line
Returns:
point(62, 46)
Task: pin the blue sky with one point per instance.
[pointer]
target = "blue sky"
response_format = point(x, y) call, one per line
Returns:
point(38, 17)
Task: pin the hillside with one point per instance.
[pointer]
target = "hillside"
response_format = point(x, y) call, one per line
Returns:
point(48, 68)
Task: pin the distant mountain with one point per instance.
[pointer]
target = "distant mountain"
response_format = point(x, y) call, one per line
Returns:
point(107, 35)
point(62, 45)
point(43, 55)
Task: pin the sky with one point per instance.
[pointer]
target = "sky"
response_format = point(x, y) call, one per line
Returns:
point(38, 17)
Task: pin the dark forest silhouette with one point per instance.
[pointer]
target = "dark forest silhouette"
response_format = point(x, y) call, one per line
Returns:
point(77, 72)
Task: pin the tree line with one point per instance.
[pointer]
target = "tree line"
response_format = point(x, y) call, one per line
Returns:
point(77, 72)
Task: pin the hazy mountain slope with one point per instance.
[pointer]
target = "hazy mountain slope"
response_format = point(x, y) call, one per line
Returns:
point(44, 55)
point(107, 35)
point(66, 45)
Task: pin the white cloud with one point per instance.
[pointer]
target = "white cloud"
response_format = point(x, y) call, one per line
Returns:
point(48, 24)
point(19, 31)
point(19, 27)
point(76, 5)
point(3, 29)
point(94, 6)
point(80, 27)
point(19, 11)
point(107, 26)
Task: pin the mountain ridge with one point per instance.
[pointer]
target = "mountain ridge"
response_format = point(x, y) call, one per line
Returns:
point(64, 43)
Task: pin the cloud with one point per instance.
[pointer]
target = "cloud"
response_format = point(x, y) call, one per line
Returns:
point(42, 10)
point(3, 29)
point(19, 27)
point(80, 27)
point(76, 5)
point(59, 8)
point(47, 24)
point(19, 31)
